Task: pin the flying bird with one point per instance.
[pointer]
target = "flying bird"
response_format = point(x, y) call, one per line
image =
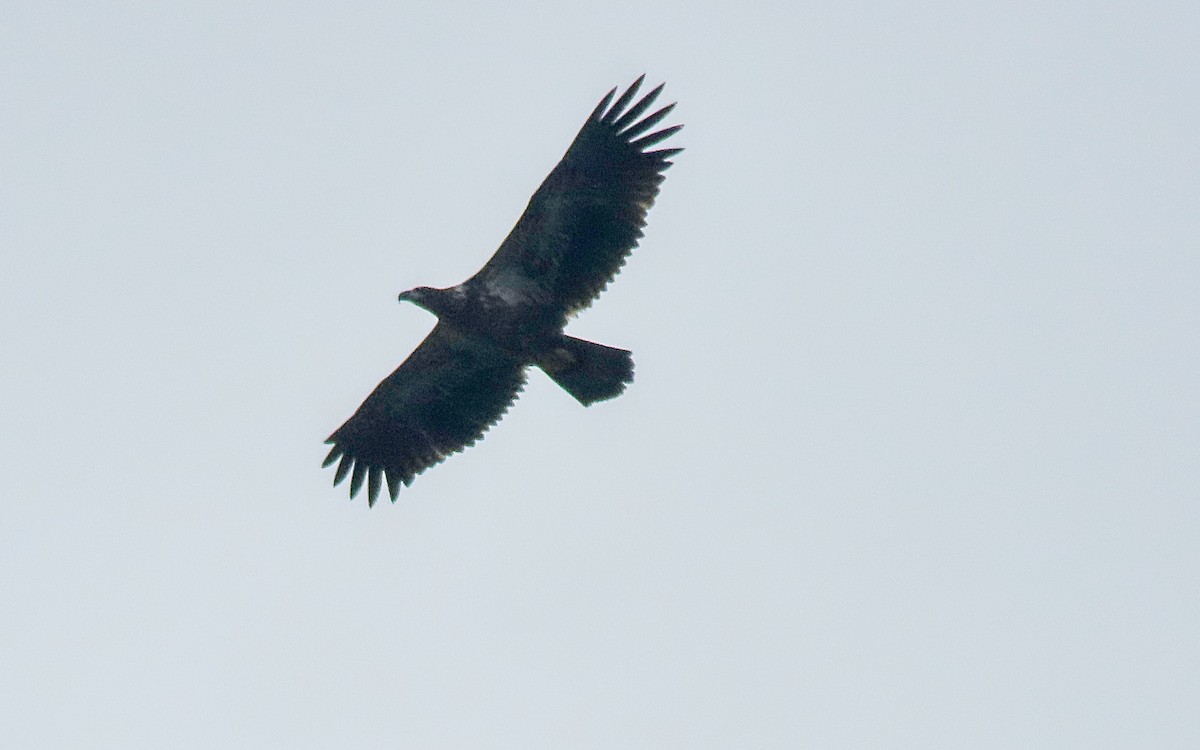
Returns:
point(571, 241)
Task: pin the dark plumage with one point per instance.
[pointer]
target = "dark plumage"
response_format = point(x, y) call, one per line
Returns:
point(579, 227)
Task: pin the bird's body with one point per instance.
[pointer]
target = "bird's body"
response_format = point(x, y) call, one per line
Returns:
point(512, 323)
point(571, 241)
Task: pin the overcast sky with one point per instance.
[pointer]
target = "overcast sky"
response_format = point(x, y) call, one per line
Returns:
point(911, 456)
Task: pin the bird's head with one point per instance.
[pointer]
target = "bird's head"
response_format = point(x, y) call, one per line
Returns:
point(415, 296)
point(425, 297)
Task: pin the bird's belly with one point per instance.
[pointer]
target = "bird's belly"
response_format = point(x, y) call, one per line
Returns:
point(522, 336)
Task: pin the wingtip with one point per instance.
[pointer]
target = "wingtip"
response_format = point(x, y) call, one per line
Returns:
point(333, 455)
point(374, 480)
point(628, 124)
point(656, 137)
point(634, 129)
point(598, 112)
point(343, 469)
point(356, 481)
point(619, 106)
point(663, 156)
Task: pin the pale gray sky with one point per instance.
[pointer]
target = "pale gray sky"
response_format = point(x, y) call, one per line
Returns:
point(911, 457)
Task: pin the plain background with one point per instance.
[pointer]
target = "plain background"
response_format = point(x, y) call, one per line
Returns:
point(911, 457)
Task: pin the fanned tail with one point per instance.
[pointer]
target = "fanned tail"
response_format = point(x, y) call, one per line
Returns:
point(589, 371)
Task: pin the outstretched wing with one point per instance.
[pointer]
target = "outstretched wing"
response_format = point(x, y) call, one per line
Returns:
point(588, 214)
point(439, 401)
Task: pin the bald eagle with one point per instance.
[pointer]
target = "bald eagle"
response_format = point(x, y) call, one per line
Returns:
point(571, 241)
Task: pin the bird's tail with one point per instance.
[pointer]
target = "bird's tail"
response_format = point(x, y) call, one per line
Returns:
point(588, 371)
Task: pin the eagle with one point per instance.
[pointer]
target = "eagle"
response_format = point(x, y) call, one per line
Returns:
point(571, 241)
